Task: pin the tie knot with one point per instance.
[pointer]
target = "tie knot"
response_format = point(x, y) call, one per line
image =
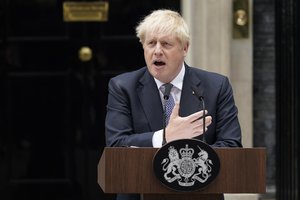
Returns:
point(166, 89)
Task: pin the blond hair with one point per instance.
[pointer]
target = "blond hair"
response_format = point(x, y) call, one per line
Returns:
point(164, 21)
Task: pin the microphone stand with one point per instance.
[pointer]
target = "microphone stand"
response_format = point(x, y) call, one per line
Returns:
point(201, 98)
point(196, 92)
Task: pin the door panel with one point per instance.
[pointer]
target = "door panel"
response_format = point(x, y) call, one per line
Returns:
point(53, 105)
point(34, 18)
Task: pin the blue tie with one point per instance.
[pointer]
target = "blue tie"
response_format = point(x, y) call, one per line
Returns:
point(169, 105)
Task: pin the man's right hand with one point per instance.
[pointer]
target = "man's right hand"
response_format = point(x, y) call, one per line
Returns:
point(186, 127)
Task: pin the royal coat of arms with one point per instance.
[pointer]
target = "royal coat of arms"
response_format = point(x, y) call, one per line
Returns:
point(187, 166)
point(182, 167)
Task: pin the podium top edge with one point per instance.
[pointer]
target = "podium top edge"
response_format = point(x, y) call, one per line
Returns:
point(237, 148)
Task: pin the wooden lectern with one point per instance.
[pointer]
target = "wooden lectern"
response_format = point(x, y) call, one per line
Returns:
point(130, 170)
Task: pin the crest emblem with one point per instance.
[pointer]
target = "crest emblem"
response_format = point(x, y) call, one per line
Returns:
point(186, 165)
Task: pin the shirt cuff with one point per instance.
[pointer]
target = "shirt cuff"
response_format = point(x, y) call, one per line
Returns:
point(157, 139)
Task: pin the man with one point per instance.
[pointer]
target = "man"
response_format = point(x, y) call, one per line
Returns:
point(135, 110)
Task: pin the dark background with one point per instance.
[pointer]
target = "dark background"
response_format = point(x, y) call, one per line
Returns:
point(52, 104)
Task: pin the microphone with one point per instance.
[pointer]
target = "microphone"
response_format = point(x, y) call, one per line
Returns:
point(168, 87)
point(166, 95)
point(197, 93)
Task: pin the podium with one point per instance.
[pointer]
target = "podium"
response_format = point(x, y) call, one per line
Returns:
point(130, 170)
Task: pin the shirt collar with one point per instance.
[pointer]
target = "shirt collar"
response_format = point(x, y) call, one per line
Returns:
point(177, 81)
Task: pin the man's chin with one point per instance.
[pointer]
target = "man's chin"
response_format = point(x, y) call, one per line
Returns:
point(159, 74)
point(159, 67)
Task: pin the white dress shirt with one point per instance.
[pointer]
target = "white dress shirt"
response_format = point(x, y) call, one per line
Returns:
point(177, 82)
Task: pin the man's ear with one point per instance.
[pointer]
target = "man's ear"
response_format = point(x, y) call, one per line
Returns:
point(186, 48)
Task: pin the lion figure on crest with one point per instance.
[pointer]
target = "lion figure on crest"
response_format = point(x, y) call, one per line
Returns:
point(171, 164)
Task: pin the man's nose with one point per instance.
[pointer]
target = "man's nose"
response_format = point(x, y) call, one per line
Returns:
point(158, 49)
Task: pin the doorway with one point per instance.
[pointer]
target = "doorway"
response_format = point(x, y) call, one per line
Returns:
point(53, 103)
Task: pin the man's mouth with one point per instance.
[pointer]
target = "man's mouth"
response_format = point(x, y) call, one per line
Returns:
point(159, 63)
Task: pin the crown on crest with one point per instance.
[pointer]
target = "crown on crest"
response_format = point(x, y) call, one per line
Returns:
point(186, 152)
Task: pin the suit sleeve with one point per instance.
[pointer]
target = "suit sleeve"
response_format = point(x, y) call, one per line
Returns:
point(228, 131)
point(119, 125)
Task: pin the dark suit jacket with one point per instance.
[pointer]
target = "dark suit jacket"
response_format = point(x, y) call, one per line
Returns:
point(135, 111)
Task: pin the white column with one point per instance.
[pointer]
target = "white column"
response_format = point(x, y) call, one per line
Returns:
point(212, 48)
point(210, 24)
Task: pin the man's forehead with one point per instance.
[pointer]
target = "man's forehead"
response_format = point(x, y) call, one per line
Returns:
point(159, 36)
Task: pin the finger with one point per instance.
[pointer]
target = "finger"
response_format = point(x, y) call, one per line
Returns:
point(199, 130)
point(196, 116)
point(208, 120)
point(199, 123)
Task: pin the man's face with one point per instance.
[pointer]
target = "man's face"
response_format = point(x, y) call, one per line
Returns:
point(164, 55)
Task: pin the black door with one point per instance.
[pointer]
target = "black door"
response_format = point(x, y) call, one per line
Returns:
point(53, 104)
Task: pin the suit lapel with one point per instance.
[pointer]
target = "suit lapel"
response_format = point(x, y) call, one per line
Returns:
point(189, 103)
point(150, 101)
